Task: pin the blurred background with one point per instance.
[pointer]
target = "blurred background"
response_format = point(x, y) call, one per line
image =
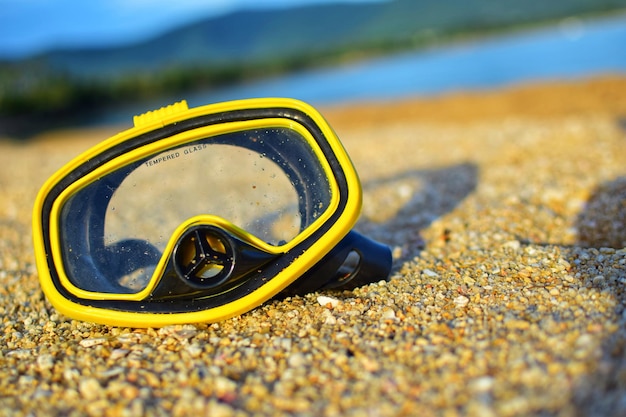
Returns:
point(74, 63)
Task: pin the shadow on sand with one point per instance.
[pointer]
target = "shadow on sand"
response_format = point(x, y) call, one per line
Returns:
point(428, 194)
point(601, 225)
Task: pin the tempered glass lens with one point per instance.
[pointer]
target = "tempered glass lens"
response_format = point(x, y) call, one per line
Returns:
point(268, 182)
point(235, 183)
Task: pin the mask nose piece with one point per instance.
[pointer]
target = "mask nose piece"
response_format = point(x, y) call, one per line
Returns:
point(207, 260)
point(204, 257)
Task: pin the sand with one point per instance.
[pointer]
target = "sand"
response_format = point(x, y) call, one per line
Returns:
point(506, 212)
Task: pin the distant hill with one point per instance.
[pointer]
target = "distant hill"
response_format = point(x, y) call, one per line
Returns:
point(250, 37)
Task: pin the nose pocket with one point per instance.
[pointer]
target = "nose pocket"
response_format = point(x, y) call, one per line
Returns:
point(204, 257)
point(208, 260)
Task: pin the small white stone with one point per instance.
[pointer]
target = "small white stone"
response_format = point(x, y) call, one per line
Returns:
point(181, 333)
point(482, 384)
point(585, 340)
point(223, 385)
point(91, 342)
point(45, 361)
point(329, 318)
point(129, 338)
point(461, 301)
point(512, 244)
point(194, 350)
point(71, 375)
point(118, 354)
point(389, 314)
point(430, 273)
point(325, 301)
point(20, 353)
point(296, 360)
point(405, 191)
point(89, 388)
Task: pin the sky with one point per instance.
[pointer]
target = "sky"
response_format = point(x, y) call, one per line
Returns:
point(31, 26)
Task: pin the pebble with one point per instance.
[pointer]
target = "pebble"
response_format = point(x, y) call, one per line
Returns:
point(327, 301)
point(512, 244)
point(91, 342)
point(45, 361)
point(461, 301)
point(118, 353)
point(90, 389)
point(329, 318)
point(430, 273)
point(388, 314)
point(482, 384)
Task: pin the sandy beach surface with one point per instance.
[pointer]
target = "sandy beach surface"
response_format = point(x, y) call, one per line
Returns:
point(506, 212)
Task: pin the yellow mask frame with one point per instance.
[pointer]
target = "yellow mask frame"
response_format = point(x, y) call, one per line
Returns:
point(249, 271)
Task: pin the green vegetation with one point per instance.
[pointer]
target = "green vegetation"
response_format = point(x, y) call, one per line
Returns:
point(59, 86)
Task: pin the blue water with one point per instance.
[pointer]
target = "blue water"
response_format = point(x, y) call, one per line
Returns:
point(572, 49)
point(569, 50)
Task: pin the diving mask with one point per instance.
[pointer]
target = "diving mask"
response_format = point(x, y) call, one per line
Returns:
point(198, 215)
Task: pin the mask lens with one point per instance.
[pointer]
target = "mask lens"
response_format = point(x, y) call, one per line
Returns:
point(235, 183)
point(268, 182)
